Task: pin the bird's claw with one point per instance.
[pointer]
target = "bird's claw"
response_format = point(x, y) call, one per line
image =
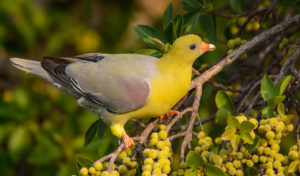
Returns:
point(127, 141)
point(161, 118)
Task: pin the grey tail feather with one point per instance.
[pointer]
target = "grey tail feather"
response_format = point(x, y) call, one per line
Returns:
point(30, 66)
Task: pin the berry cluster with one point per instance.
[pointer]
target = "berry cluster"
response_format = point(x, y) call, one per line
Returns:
point(252, 25)
point(124, 166)
point(157, 154)
point(233, 44)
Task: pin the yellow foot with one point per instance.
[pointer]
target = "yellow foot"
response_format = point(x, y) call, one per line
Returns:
point(161, 118)
point(127, 140)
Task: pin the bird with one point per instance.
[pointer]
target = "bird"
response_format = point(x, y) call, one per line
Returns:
point(120, 87)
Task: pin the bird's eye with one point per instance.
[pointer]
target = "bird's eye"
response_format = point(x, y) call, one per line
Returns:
point(192, 46)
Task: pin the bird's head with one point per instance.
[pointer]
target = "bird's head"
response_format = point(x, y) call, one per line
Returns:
point(190, 47)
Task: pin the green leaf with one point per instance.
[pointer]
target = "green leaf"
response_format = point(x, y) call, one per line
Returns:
point(150, 52)
point(101, 129)
point(211, 170)
point(235, 142)
point(246, 127)
point(45, 151)
point(282, 84)
point(222, 115)
point(193, 6)
point(247, 138)
point(281, 109)
point(190, 21)
point(191, 172)
point(268, 89)
point(233, 122)
point(147, 33)
point(228, 134)
point(82, 161)
point(287, 3)
point(272, 102)
point(168, 15)
point(177, 26)
point(294, 166)
point(237, 5)
point(98, 126)
point(223, 100)
point(252, 171)
point(194, 160)
point(297, 7)
point(208, 25)
point(255, 145)
point(267, 112)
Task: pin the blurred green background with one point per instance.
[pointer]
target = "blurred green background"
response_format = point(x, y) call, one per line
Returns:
point(41, 128)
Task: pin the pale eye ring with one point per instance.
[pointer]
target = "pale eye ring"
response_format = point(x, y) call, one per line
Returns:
point(192, 46)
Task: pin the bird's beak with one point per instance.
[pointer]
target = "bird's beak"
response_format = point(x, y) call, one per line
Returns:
point(207, 47)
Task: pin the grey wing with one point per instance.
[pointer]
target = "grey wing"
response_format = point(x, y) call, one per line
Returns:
point(118, 82)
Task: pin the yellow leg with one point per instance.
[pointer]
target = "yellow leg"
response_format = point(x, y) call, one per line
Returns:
point(119, 131)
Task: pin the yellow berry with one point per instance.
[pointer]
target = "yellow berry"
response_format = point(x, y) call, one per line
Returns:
point(126, 161)
point(154, 135)
point(218, 141)
point(167, 143)
point(237, 41)
point(162, 127)
point(114, 173)
point(249, 163)
point(182, 165)
point(267, 150)
point(146, 173)
point(241, 118)
point(229, 165)
point(98, 166)
point(197, 149)
point(160, 144)
point(180, 172)
point(230, 51)
point(263, 159)
point(269, 165)
point(241, 21)
point(232, 171)
point(162, 155)
point(273, 121)
point(147, 167)
point(157, 171)
point(234, 30)
point(293, 155)
point(133, 164)
point(152, 154)
point(267, 127)
point(201, 134)
point(277, 164)
point(260, 150)
point(122, 155)
point(162, 134)
point(249, 27)
point(105, 173)
point(92, 170)
point(156, 166)
point(97, 173)
point(256, 25)
point(244, 42)
point(290, 127)
point(148, 161)
point(84, 171)
point(236, 163)
point(146, 152)
point(239, 155)
point(255, 158)
point(270, 135)
point(230, 44)
point(270, 172)
point(153, 142)
point(217, 160)
point(275, 147)
point(254, 122)
point(166, 169)
point(239, 173)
